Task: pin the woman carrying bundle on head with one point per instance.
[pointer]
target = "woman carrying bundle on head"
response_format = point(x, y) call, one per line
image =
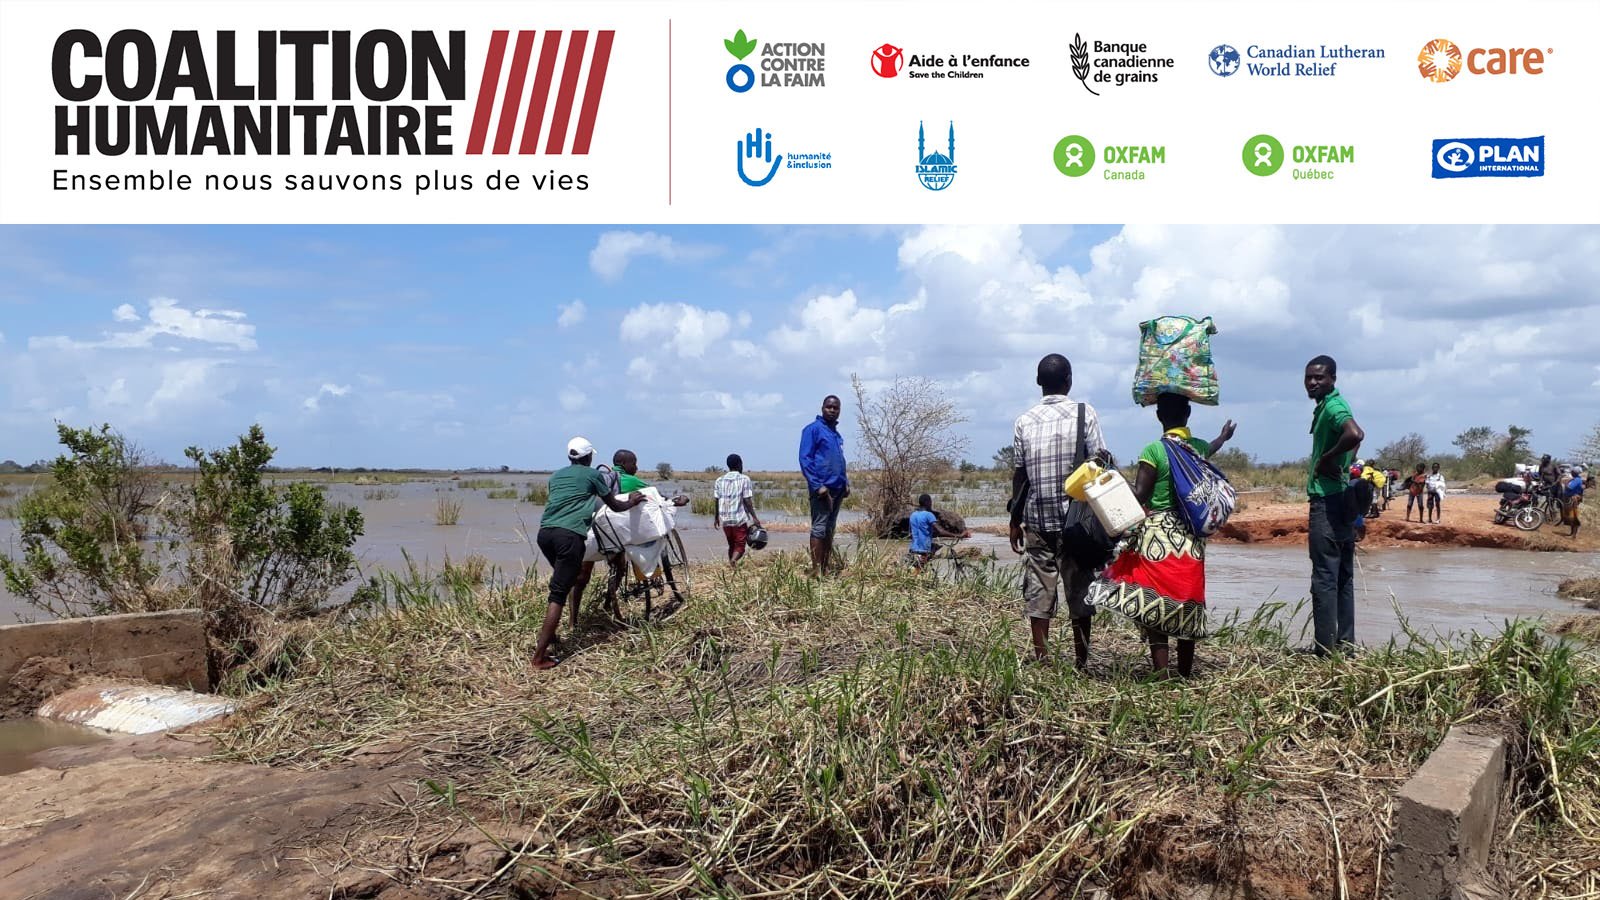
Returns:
point(1158, 578)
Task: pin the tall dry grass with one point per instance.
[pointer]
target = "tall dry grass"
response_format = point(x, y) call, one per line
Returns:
point(878, 735)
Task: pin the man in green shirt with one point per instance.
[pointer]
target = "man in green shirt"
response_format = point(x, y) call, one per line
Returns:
point(568, 513)
point(1331, 538)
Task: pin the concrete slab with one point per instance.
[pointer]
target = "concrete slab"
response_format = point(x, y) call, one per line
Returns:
point(1445, 817)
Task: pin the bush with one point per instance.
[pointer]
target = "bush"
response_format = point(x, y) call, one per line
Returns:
point(80, 535)
point(447, 511)
point(538, 494)
point(663, 470)
point(243, 551)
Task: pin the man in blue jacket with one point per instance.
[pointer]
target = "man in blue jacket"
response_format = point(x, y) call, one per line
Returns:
point(822, 463)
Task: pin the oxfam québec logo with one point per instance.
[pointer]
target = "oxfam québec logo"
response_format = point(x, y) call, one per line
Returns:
point(740, 77)
point(1263, 155)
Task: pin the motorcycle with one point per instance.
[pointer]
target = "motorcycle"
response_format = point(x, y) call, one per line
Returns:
point(1519, 506)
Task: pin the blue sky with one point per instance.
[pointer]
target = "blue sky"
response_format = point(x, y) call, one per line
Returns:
point(448, 346)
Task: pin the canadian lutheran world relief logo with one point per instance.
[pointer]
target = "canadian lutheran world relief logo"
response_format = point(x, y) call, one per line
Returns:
point(936, 170)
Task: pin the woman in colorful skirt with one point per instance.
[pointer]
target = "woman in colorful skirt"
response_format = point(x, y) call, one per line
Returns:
point(1158, 578)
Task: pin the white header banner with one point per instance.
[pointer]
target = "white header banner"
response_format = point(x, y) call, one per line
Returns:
point(812, 112)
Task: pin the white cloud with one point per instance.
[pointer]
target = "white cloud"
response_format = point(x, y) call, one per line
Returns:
point(571, 314)
point(688, 331)
point(314, 402)
point(616, 249)
point(224, 327)
point(572, 399)
point(125, 313)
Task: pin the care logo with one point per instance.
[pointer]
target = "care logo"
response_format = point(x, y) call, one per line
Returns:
point(374, 93)
point(1075, 156)
point(1113, 64)
point(783, 65)
point(1287, 61)
point(936, 170)
point(1488, 157)
point(1440, 60)
point(890, 61)
point(1265, 155)
point(757, 164)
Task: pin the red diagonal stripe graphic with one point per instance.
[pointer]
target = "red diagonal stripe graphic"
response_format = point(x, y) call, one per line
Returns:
point(541, 92)
point(569, 86)
point(513, 100)
point(486, 91)
point(591, 92)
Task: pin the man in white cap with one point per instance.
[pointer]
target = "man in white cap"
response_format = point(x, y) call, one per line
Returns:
point(568, 513)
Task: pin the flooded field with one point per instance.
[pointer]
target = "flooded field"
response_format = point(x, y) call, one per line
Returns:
point(1438, 590)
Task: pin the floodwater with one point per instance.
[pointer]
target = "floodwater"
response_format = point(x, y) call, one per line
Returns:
point(21, 738)
point(1438, 590)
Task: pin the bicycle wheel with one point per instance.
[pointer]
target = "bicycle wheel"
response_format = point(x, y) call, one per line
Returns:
point(680, 562)
point(1529, 518)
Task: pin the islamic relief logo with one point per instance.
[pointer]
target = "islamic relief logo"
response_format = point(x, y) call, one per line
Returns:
point(936, 170)
point(886, 61)
point(1439, 60)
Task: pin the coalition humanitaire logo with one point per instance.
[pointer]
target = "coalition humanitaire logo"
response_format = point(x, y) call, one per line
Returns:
point(335, 94)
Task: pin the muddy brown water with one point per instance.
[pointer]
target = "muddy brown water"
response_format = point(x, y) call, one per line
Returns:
point(1439, 591)
point(21, 738)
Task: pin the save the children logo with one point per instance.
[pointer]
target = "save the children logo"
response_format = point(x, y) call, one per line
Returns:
point(783, 65)
point(1488, 157)
point(1114, 64)
point(373, 93)
point(889, 61)
point(757, 163)
point(1441, 60)
point(936, 170)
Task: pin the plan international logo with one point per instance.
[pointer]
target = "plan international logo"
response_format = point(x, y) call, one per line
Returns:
point(374, 93)
point(1287, 60)
point(1488, 157)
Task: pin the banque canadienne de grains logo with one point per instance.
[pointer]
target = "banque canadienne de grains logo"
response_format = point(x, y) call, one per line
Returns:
point(125, 95)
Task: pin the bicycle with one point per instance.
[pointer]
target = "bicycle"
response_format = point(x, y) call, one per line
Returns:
point(945, 563)
point(637, 584)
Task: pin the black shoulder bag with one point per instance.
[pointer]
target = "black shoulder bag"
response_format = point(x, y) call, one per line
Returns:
point(1083, 538)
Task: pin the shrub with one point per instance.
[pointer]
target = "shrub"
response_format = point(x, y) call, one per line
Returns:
point(663, 470)
point(447, 511)
point(243, 551)
point(537, 493)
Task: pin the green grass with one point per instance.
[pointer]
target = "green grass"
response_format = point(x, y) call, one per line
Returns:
point(377, 494)
point(703, 506)
point(507, 493)
point(537, 493)
point(446, 511)
point(477, 484)
point(877, 735)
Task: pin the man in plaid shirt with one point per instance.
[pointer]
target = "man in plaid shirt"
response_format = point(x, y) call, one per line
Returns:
point(1046, 450)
